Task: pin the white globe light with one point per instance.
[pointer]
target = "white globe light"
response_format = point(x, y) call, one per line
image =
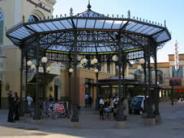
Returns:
point(94, 61)
point(115, 58)
point(84, 61)
point(142, 61)
point(44, 59)
point(29, 63)
point(96, 70)
point(48, 69)
point(33, 66)
point(71, 70)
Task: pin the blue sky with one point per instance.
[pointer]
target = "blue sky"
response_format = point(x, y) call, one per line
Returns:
point(155, 10)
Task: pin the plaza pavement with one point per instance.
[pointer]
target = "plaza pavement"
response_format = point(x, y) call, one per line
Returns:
point(172, 126)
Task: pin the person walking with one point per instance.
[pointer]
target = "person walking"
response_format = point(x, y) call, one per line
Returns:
point(101, 108)
point(10, 107)
point(29, 100)
point(17, 105)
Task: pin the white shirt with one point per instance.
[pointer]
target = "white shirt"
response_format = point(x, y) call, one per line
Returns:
point(29, 100)
point(101, 101)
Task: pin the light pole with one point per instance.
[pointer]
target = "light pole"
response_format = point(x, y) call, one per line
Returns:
point(120, 60)
point(70, 71)
point(44, 61)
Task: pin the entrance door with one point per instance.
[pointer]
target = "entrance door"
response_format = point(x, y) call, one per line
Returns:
point(55, 92)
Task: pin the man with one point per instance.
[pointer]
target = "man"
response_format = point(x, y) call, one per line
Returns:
point(10, 107)
point(29, 102)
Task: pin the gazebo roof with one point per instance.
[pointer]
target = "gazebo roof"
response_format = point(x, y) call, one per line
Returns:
point(104, 30)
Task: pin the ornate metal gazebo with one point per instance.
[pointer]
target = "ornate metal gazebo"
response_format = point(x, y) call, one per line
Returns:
point(90, 34)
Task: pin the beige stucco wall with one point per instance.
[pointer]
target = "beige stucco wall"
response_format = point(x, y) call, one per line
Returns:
point(14, 12)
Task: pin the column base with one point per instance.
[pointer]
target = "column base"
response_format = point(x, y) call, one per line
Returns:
point(120, 124)
point(149, 121)
point(75, 124)
point(158, 119)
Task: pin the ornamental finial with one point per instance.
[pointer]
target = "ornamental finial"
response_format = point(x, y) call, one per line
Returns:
point(89, 5)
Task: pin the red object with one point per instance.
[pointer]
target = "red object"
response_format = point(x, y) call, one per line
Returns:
point(179, 90)
point(59, 108)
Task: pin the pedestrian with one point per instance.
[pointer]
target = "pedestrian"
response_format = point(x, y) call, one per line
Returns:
point(101, 108)
point(10, 107)
point(17, 106)
point(29, 103)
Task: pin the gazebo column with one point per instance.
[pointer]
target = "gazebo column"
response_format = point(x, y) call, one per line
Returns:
point(150, 98)
point(75, 90)
point(121, 59)
point(21, 83)
point(37, 110)
point(156, 97)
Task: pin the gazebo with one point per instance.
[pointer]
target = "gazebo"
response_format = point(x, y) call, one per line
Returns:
point(91, 35)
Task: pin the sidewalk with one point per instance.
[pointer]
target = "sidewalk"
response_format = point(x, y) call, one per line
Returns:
point(91, 126)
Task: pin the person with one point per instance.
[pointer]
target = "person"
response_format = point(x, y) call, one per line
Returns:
point(86, 99)
point(90, 101)
point(17, 104)
point(10, 107)
point(51, 99)
point(29, 102)
point(101, 108)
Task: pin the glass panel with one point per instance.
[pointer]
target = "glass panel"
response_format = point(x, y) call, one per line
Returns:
point(161, 37)
point(108, 24)
point(153, 30)
point(35, 27)
point(44, 27)
point(90, 24)
point(81, 23)
point(99, 23)
point(66, 23)
point(58, 25)
point(117, 24)
point(136, 27)
point(16, 35)
point(178, 72)
point(130, 25)
point(50, 26)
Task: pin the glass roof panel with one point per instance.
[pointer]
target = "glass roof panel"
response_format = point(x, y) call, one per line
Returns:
point(161, 37)
point(35, 27)
point(99, 23)
point(108, 24)
point(136, 27)
point(44, 27)
point(58, 25)
point(130, 25)
point(16, 35)
point(154, 30)
point(81, 23)
point(90, 23)
point(50, 26)
point(66, 23)
point(117, 24)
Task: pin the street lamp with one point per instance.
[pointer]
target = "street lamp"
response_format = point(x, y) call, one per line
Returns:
point(44, 61)
point(120, 60)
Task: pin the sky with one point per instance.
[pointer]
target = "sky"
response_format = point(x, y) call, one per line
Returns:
point(155, 10)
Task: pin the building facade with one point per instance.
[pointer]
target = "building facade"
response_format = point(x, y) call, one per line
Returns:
point(13, 12)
